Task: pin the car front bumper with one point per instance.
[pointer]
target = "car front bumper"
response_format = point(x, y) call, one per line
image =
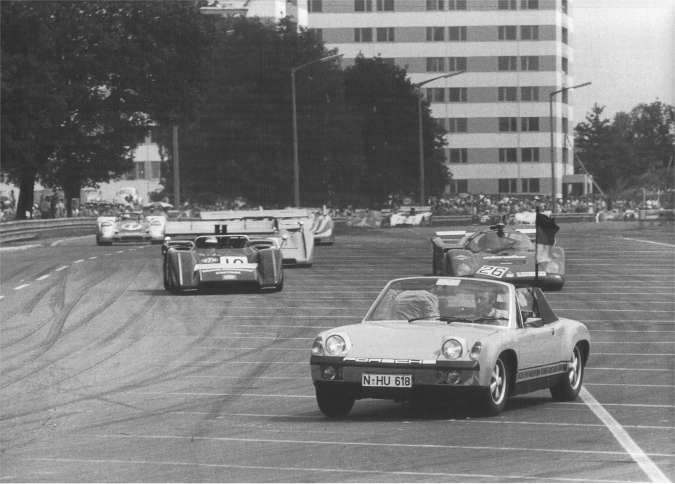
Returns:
point(441, 377)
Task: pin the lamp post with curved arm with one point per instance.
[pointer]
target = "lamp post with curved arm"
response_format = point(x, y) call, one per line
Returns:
point(420, 130)
point(296, 162)
point(550, 116)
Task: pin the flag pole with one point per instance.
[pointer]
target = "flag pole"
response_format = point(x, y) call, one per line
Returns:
point(536, 247)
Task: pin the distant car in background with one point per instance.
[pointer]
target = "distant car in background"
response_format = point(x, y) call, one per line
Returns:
point(222, 261)
point(130, 227)
point(497, 252)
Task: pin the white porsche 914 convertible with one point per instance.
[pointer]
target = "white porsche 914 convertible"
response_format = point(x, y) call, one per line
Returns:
point(448, 338)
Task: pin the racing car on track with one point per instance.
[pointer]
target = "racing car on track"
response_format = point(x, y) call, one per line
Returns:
point(222, 260)
point(130, 227)
point(444, 339)
point(498, 252)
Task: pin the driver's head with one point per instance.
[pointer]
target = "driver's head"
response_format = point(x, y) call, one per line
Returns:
point(486, 300)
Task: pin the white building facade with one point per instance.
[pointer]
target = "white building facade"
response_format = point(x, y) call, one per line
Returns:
point(515, 53)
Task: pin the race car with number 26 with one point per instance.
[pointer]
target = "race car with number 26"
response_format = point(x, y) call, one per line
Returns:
point(446, 339)
point(498, 252)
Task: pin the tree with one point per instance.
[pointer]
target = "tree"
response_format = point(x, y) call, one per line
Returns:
point(82, 82)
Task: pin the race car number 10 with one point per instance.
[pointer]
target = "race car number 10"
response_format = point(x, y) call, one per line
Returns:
point(387, 381)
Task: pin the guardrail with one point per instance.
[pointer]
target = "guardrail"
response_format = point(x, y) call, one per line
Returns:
point(19, 230)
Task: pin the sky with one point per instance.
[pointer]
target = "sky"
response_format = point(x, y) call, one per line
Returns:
point(626, 49)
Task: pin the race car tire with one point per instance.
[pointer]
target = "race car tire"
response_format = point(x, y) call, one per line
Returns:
point(280, 287)
point(333, 404)
point(567, 389)
point(496, 395)
point(169, 283)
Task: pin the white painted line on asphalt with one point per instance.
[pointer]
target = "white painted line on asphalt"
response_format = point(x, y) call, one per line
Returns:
point(333, 471)
point(2, 297)
point(18, 247)
point(362, 444)
point(43, 277)
point(620, 434)
point(60, 241)
point(92, 257)
point(59, 269)
point(641, 355)
point(78, 261)
point(17, 288)
point(622, 385)
point(650, 242)
point(613, 368)
point(119, 252)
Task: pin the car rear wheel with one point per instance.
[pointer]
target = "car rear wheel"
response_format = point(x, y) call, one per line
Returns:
point(169, 284)
point(498, 390)
point(569, 386)
point(333, 404)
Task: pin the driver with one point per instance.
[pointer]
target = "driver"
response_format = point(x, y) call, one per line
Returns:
point(487, 305)
point(416, 304)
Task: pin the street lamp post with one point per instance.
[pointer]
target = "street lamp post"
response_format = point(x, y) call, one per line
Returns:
point(550, 117)
point(420, 130)
point(296, 162)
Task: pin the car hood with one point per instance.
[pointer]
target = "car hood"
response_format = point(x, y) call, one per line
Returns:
point(416, 340)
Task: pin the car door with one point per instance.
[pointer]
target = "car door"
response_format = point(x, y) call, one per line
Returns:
point(539, 340)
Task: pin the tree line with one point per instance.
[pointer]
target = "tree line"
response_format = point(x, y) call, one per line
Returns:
point(84, 82)
point(630, 152)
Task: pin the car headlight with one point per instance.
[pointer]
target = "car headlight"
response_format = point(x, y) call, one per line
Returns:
point(464, 269)
point(552, 267)
point(452, 349)
point(335, 345)
point(317, 347)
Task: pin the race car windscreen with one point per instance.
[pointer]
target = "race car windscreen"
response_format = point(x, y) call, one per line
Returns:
point(443, 299)
point(495, 242)
point(213, 242)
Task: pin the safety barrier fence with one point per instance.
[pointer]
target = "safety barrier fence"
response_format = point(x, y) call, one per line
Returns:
point(21, 230)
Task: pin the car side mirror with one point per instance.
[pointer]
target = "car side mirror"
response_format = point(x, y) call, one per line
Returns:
point(534, 323)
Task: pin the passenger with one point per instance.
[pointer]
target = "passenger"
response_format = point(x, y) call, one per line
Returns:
point(416, 304)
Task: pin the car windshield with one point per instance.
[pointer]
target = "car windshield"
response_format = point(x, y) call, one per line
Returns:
point(134, 217)
point(448, 300)
point(494, 241)
point(214, 242)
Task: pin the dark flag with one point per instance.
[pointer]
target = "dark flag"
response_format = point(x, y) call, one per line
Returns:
point(545, 236)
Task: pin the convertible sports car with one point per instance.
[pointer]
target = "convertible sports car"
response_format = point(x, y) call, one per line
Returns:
point(498, 252)
point(130, 227)
point(216, 260)
point(448, 338)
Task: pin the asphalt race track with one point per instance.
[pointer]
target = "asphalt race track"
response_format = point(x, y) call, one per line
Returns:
point(104, 376)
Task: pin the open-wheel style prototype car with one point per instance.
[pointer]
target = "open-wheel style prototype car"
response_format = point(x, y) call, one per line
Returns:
point(209, 261)
point(498, 252)
point(130, 227)
point(444, 339)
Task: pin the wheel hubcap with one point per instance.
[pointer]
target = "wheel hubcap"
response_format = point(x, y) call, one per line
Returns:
point(497, 383)
point(574, 370)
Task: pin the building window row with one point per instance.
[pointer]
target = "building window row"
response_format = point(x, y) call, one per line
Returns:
point(510, 32)
point(511, 124)
point(445, 64)
point(510, 63)
point(382, 34)
point(527, 155)
point(367, 5)
point(510, 185)
point(431, 5)
point(437, 34)
point(451, 94)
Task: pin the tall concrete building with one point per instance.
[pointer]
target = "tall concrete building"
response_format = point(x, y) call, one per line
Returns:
point(515, 53)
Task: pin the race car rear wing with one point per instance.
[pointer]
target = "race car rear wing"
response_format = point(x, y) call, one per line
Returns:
point(257, 225)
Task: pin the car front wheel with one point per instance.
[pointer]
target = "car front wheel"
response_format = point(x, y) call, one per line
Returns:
point(333, 404)
point(498, 390)
point(569, 386)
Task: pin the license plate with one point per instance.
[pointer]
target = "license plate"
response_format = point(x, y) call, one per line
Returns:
point(386, 381)
point(231, 261)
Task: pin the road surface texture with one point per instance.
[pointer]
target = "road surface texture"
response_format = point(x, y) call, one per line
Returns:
point(106, 377)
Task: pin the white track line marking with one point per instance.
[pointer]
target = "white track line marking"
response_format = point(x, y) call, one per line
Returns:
point(636, 453)
point(334, 471)
point(363, 444)
point(60, 268)
point(92, 257)
point(78, 261)
point(43, 277)
point(2, 297)
point(650, 242)
point(18, 247)
point(17, 288)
